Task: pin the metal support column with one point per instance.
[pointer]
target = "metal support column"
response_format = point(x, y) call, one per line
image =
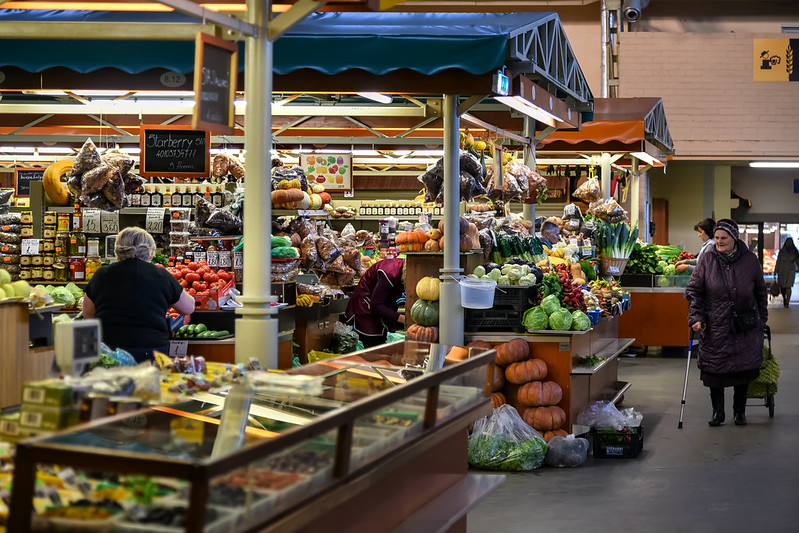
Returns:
point(528, 210)
point(451, 321)
point(605, 175)
point(256, 329)
point(635, 201)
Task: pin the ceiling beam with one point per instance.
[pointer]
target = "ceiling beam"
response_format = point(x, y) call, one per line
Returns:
point(163, 31)
point(190, 8)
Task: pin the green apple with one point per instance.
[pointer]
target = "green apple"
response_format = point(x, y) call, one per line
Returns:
point(5, 277)
point(21, 288)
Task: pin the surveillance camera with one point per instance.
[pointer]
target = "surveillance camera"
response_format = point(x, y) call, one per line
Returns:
point(631, 9)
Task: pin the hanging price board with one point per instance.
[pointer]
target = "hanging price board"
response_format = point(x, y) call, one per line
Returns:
point(154, 222)
point(178, 348)
point(30, 246)
point(91, 220)
point(109, 222)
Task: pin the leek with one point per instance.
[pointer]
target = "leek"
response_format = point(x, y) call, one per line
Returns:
point(616, 240)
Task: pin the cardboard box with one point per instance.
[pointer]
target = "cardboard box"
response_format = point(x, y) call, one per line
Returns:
point(46, 418)
point(51, 393)
point(286, 292)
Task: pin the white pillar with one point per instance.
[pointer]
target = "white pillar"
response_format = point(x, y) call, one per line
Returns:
point(635, 201)
point(605, 166)
point(256, 329)
point(451, 316)
point(528, 210)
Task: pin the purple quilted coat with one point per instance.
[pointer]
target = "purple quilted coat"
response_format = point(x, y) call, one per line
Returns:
point(711, 301)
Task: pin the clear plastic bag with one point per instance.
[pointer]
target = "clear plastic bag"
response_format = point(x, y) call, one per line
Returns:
point(568, 451)
point(285, 270)
point(503, 441)
point(590, 191)
point(345, 338)
point(604, 414)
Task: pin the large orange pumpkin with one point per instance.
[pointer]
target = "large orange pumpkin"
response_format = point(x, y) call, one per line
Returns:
point(497, 399)
point(544, 418)
point(537, 393)
point(525, 371)
point(549, 435)
point(497, 378)
point(512, 351)
point(415, 332)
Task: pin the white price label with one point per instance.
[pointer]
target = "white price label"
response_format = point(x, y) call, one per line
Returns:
point(109, 222)
point(349, 194)
point(178, 348)
point(91, 220)
point(238, 260)
point(30, 246)
point(155, 220)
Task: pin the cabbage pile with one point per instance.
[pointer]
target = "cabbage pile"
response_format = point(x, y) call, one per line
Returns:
point(550, 315)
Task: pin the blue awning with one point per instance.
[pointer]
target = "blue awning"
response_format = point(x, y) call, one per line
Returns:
point(326, 42)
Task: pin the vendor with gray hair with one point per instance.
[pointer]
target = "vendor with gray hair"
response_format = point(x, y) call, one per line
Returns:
point(132, 296)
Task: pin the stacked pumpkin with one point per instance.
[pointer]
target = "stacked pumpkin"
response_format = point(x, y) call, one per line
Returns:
point(412, 241)
point(424, 311)
point(520, 379)
point(468, 238)
point(289, 195)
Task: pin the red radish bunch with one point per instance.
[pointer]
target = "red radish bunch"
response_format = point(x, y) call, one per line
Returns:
point(572, 295)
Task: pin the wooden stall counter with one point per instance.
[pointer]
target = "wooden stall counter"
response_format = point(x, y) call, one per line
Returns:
point(657, 317)
point(561, 351)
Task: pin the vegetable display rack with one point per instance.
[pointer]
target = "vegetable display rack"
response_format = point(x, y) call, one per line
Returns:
point(510, 302)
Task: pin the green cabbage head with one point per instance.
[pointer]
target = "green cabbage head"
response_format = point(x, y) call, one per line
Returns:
point(550, 304)
point(580, 321)
point(560, 320)
point(535, 319)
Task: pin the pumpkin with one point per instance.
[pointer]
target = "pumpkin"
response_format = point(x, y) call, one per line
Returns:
point(432, 246)
point(576, 271)
point(463, 225)
point(549, 435)
point(537, 393)
point(497, 378)
point(457, 353)
point(544, 418)
point(497, 399)
point(415, 332)
point(526, 371)
point(56, 190)
point(434, 234)
point(305, 203)
point(473, 235)
point(428, 288)
point(325, 197)
point(425, 312)
point(466, 243)
point(512, 351)
point(421, 235)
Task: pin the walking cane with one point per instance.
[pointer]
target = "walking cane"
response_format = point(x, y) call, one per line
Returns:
point(687, 370)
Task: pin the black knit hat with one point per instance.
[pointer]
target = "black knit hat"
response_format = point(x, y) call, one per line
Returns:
point(730, 226)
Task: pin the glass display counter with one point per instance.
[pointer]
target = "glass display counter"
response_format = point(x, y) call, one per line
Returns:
point(393, 416)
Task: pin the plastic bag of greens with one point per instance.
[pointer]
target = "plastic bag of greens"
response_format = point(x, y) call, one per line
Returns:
point(550, 304)
point(560, 320)
point(535, 319)
point(503, 441)
point(345, 338)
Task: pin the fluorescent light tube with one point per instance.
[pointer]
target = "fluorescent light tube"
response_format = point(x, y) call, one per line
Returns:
point(376, 97)
point(774, 164)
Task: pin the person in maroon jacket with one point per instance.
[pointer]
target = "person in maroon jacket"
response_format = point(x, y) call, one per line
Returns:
point(372, 309)
point(728, 307)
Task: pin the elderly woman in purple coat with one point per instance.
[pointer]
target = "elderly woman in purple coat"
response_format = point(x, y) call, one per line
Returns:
point(728, 307)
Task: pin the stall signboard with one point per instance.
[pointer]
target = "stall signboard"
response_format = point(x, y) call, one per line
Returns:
point(215, 72)
point(334, 171)
point(174, 152)
point(23, 178)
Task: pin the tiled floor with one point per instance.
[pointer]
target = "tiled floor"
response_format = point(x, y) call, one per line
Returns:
point(695, 479)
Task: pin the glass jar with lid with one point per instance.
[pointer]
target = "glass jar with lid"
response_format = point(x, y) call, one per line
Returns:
point(77, 269)
point(61, 244)
point(61, 270)
point(77, 244)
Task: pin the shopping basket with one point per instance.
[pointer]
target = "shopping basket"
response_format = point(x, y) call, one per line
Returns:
point(765, 385)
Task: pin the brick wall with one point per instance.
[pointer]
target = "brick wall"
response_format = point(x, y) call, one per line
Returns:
point(713, 107)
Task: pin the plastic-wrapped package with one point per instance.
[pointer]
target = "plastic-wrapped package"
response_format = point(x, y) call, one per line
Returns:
point(604, 414)
point(572, 218)
point(330, 279)
point(133, 182)
point(11, 238)
point(88, 158)
point(608, 209)
point(202, 210)
point(5, 197)
point(236, 167)
point(320, 290)
point(518, 172)
point(11, 228)
point(336, 265)
point(433, 185)
point(345, 338)
point(503, 441)
point(95, 179)
point(285, 270)
point(224, 221)
point(346, 278)
point(566, 452)
point(352, 258)
point(114, 191)
point(75, 184)
point(327, 249)
point(119, 160)
point(590, 191)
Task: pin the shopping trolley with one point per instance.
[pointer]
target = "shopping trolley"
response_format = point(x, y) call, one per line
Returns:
point(765, 385)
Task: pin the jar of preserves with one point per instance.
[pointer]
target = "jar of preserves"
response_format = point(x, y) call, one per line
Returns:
point(47, 245)
point(25, 260)
point(49, 232)
point(77, 244)
point(77, 269)
point(37, 273)
point(48, 274)
point(26, 217)
point(92, 265)
point(25, 273)
point(61, 271)
point(64, 222)
point(61, 248)
point(37, 260)
point(48, 259)
point(50, 219)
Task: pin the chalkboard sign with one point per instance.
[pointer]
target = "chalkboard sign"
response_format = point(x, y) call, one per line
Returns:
point(174, 151)
point(23, 178)
point(215, 74)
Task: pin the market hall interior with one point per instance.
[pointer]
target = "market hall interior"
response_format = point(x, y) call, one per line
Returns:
point(696, 479)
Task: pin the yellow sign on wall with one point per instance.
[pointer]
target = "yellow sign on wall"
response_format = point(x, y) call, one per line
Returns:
point(774, 60)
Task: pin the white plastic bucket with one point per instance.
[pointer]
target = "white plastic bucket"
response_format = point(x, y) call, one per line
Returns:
point(477, 293)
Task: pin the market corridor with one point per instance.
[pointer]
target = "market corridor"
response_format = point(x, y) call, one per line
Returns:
point(695, 479)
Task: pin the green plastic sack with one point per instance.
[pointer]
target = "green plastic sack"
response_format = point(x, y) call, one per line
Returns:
point(766, 383)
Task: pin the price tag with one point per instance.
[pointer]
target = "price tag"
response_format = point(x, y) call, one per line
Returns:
point(238, 260)
point(155, 220)
point(109, 222)
point(178, 348)
point(349, 194)
point(91, 220)
point(30, 246)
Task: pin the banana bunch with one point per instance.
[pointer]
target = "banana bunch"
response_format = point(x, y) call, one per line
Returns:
point(304, 300)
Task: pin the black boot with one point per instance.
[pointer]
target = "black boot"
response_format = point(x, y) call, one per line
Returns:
point(717, 401)
point(739, 404)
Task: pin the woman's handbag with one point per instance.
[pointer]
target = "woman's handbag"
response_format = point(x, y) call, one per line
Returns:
point(742, 321)
point(775, 289)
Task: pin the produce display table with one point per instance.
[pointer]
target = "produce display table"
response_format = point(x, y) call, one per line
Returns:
point(561, 352)
point(657, 317)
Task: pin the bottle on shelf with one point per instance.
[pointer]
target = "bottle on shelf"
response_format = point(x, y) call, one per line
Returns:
point(77, 219)
point(218, 196)
point(177, 196)
point(156, 198)
point(225, 259)
point(145, 196)
point(77, 269)
point(212, 254)
point(135, 198)
point(167, 199)
point(61, 270)
point(93, 262)
point(188, 196)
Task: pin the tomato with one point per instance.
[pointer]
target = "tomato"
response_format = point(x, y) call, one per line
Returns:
point(223, 274)
point(184, 283)
point(197, 285)
point(193, 266)
point(191, 277)
point(192, 291)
